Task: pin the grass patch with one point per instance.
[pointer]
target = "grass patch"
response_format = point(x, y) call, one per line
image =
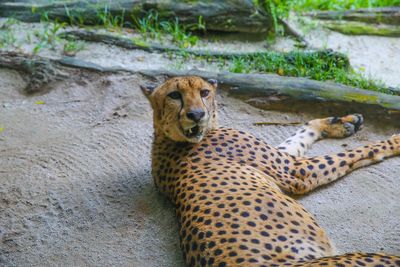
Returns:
point(7, 39)
point(150, 26)
point(319, 66)
point(7, 36)
point(338, 5)
point(278, 9)
point(72, 47)
point(107, 20)
point(48, 36)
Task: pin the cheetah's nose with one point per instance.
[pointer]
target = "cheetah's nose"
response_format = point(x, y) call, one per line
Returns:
point(195, 114)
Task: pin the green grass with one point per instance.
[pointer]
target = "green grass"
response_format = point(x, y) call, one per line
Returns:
point(72, 47)
point(317, 66)
point(278, 9)
point(180, 35)
point(151, 26)
point(307, 5)
point(107, 20)
point(48, 36)
point(7, 36)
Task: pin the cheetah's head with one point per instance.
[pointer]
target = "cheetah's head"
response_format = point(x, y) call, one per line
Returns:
point(184, 108)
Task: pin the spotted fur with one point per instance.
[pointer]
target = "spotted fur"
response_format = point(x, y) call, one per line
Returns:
point(227, 184)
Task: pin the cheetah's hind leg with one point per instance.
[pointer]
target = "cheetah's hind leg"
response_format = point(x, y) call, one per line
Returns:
point(312, 131)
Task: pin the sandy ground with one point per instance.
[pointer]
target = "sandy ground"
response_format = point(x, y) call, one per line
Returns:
point(76, 188)
point(75, 184)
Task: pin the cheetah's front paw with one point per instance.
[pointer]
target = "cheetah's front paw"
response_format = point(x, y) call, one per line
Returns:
point(340, 127)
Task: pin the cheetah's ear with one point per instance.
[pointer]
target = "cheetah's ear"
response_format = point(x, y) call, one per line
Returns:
point(213, 82)
point(147, 89)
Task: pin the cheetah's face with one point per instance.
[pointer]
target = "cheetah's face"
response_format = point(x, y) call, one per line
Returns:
point(184, 108)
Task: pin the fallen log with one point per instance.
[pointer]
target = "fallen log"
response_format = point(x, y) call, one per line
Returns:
point(219, 15)
point(247, 86)
point(385, 15)
point(360, 28)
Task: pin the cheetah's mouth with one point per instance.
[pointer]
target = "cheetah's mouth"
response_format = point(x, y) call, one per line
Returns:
point(193, 132)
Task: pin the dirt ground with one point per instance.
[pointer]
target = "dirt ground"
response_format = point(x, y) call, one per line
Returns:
point(76, 189)
point(75, 183)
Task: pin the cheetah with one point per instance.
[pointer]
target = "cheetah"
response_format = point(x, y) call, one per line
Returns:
point(229, 187)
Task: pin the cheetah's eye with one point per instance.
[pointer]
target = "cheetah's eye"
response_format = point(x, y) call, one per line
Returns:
point(204, 93)
point(175, 95)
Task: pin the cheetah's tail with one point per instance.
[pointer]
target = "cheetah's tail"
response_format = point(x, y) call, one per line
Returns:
point(352, 259)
